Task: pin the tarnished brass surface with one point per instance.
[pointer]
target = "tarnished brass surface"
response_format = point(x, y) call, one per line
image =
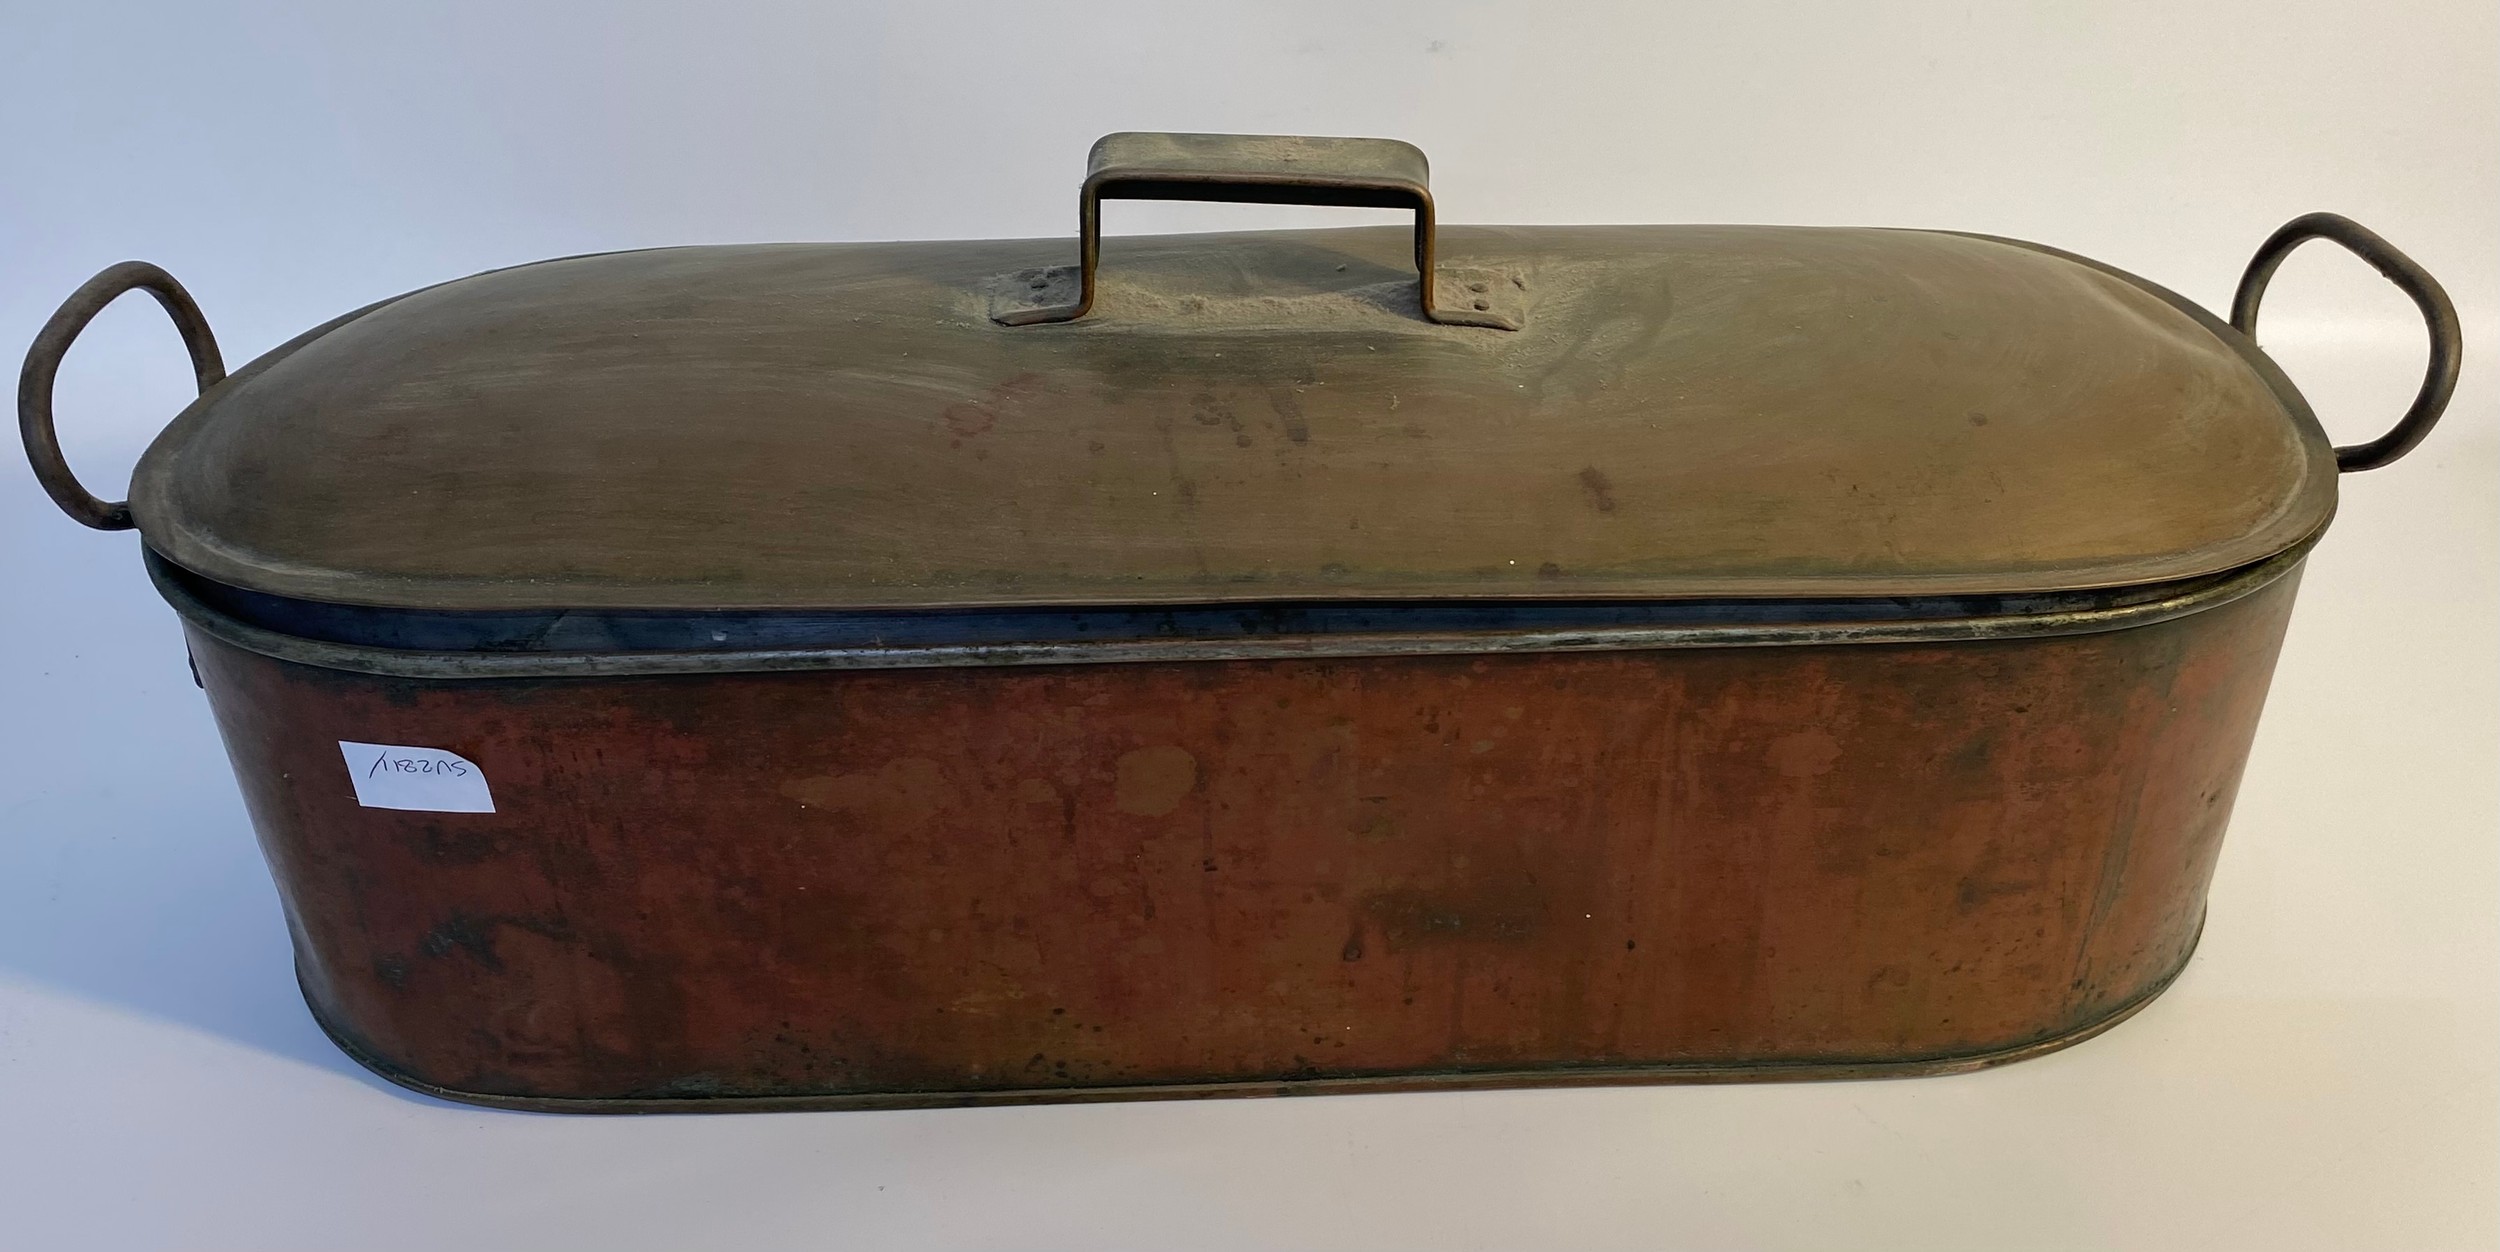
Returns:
point(1688, 411)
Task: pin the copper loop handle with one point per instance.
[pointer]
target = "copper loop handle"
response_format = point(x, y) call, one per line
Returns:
point(2439, 379)
point(43, 363)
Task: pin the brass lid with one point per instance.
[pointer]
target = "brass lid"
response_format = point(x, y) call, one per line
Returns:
point(1682, 411)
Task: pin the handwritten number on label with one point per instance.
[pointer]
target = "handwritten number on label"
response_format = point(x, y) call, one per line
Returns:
point(418, 765)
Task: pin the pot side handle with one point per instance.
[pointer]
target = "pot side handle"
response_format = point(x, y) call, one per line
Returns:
point(2439, 380)
point(1255, 169)
point(43, 363)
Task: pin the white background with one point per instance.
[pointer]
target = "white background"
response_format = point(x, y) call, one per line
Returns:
point(2325, 1075)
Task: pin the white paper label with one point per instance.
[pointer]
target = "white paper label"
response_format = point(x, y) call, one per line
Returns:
point(428, 780)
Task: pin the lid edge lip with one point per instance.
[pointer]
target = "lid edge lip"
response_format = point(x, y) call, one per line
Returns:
point(2196, 596)
point(2289, 530)
point(1696, 593)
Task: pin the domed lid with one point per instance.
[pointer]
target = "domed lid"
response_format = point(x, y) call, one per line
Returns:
point(1678, 412)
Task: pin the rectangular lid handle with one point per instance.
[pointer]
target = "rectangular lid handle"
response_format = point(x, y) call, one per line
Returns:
point(1252, 169)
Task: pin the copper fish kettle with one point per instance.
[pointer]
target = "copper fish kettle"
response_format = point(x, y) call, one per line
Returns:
point(836, 675)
